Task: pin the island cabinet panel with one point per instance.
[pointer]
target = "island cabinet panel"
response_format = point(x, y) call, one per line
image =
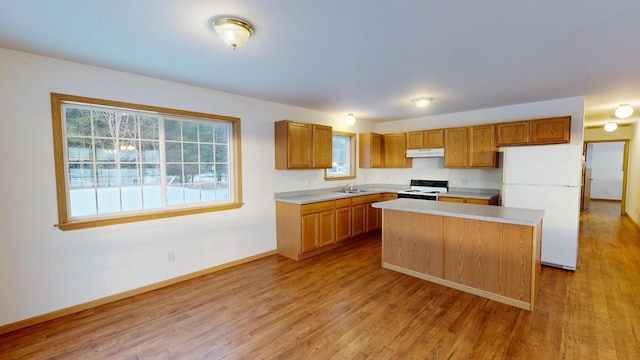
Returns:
point(415, 242)
point(496, 260)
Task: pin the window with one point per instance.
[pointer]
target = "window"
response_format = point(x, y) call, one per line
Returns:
point(120, 162)
point(343, 156)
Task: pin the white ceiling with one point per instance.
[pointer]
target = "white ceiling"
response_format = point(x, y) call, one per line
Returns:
point(369, 57)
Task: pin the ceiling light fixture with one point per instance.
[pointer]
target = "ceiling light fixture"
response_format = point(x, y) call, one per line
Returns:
point(610, 126)
point(422, 102)
point(232, 31)
point(350, 120)
point(624, 111)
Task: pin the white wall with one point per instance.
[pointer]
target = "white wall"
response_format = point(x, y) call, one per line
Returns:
point(633, 177)
point(43, 269)
point(607, 170)
point(631, 133)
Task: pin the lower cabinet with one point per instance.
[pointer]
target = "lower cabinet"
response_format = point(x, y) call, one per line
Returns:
point(492, 201)
point(309, 229)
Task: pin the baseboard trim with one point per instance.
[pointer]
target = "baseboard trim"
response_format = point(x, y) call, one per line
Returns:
point(112, 298)
point(633, 222)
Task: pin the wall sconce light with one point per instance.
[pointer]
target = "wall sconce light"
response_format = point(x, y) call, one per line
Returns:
point(233, 32)
point(422, 102)
point(350, 120)
point(624, 111)
point(610, 126)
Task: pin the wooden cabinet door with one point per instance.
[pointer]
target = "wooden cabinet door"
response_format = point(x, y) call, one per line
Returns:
point(326, 228)
point(551, 131)
point(456, 147)
point(359, 219)
point(395, 150)
point(310, 227)
point(433, 139)
point(451, 199)
point(343, 223)
point(513, 133)
point(322, 146)
point(482, 146)
point(415, 140)
point(373, 218)
point(370, 146)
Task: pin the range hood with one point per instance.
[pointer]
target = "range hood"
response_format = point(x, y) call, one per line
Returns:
point(415, 153)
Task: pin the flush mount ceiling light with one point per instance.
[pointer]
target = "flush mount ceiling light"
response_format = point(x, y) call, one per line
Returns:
point(422, 102)
point(610, 126)
point(350, 120)
point(624, 111)
point(232, 31)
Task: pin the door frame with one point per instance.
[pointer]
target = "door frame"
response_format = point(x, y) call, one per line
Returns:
point(625, 167)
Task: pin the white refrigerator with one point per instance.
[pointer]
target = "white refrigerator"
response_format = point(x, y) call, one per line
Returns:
point(548, 177)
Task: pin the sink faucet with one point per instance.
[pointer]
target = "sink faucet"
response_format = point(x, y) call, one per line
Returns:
point(349, 187)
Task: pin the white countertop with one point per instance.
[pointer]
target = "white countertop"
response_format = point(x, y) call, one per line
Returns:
point(501, 214)
point(310, 196)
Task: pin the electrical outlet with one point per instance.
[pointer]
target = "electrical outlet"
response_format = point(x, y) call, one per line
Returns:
point(170, 255)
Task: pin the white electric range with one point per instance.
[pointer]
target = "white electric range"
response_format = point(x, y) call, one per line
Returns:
point(425, 189)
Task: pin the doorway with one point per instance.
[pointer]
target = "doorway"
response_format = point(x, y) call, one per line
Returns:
point(604, 172)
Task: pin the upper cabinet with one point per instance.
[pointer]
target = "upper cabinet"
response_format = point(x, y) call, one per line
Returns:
point(551, 131)
point(470, 147)
point(388, 150)
point(456, 147)
point(555, 130)
point(426, 139)
point(395, 151)
point(370, 149)
point(302, 146)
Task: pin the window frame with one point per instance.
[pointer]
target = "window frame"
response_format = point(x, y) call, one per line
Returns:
point(352, 156)
point(61, 172)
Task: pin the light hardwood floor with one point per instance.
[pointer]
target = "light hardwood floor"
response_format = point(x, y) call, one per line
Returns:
point(343, 305)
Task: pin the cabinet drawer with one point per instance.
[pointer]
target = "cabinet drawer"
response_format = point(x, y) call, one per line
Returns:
point(366, 199)
point(340, 203)
point(317, 207)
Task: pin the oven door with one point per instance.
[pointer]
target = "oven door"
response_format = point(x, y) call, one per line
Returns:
point(416, 196)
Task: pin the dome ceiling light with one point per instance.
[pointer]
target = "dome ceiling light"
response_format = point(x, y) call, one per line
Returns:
point(624, 111)
point(610, 126)
point(232, 31)
point(422, 102)
point(350, 120)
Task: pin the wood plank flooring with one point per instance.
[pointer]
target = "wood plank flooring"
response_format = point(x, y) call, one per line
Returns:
point(343, 305)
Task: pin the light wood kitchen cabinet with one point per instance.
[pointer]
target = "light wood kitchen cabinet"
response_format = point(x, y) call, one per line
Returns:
point(556, 130)
point(389, 196)
point(426, 139)
point(343, 219)
point(317, 225)
point(306, 230)
point(551, 131)
point(456, 147)
point(322, 147)
point(513, 133)
point(482, 146)
point(470, 147)
point(395, 151)
point(302, 146)
point(370, 150)
point(492, 201)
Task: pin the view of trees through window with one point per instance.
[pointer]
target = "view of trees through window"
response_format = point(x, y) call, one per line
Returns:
point(342, 157)
point(120, 160)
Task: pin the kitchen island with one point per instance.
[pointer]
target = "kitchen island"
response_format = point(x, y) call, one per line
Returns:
point(489, 251)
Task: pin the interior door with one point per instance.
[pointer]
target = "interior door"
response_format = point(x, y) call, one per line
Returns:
point(586, 177)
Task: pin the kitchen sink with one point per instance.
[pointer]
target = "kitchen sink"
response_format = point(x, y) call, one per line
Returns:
point(355, 191)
